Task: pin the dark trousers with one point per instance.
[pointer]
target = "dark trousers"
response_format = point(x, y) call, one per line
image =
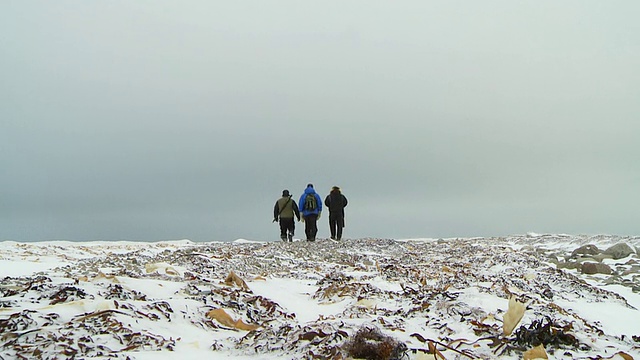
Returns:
point(287, 227)
point(336, 223)
point(311, 226)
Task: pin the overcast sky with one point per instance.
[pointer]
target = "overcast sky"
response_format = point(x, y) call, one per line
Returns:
point(154, 120)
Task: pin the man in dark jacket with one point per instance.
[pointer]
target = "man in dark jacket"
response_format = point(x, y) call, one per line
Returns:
point(336, 202)
point(285, 209)
point(311, 207)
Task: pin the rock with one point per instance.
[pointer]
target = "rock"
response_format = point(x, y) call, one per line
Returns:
point(556, 255)
point(554, 260)
point(635, 269)
point(602, 256)
point(586, 250)
point(591, 268)
point(620, 250)
point(568, 265)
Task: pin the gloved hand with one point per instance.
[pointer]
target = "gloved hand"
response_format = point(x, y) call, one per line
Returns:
point(275, 219)
point(319, 215)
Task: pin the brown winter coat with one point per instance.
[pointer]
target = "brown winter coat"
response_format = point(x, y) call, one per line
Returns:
point(286, 208)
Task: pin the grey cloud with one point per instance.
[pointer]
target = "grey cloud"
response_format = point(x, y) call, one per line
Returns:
point(153, 121)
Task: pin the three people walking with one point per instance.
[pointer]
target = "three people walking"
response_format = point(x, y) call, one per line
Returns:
point(308, 210)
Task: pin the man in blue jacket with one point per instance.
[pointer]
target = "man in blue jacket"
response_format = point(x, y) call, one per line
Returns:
point(311, 207)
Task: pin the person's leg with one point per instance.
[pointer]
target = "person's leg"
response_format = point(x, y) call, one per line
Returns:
point(313, 223)
point(307, 227)
point(339, 225)
point(292, 229)
point(332, 225)
point(283, 229)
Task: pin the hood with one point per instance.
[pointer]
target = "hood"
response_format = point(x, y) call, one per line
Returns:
point(309, 190)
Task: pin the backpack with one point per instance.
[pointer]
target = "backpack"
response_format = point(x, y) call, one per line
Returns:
point(310, 203)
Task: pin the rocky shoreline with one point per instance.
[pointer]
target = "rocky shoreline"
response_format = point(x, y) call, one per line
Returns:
point(419, 298)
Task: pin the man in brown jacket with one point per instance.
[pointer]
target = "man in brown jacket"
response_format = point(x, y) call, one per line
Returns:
point(285, 209)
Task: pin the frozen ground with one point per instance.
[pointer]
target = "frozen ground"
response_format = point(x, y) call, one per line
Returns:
point(309, 300)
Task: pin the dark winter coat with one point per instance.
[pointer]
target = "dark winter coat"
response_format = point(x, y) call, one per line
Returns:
point(336, 202)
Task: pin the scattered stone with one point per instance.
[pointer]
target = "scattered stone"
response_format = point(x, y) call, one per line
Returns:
point(568, 265)
point(585, 250)
point(620, 251)
point(591, 268)
point(553, 259)
point(602, 256)
point(583, 260)
point(556, 255)
point(635, 269)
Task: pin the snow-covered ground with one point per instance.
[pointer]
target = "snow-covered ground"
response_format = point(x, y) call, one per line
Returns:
point(316, 300)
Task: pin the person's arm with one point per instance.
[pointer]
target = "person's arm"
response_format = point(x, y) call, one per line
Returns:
point(301, 210)
point(319, 202)
point(276, 212)
point(327, 200)
point(344, 198)
point(296, 210)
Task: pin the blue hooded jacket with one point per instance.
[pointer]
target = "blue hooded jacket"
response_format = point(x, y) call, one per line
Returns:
point(318, 209)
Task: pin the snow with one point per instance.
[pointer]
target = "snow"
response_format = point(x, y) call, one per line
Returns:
point(431, 287)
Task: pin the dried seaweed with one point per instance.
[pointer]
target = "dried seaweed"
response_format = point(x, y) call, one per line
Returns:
point(548, 333)
point(370, 343)
point(77, 337)
point(67, 293)
point(425, 279)
point(117, 291)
